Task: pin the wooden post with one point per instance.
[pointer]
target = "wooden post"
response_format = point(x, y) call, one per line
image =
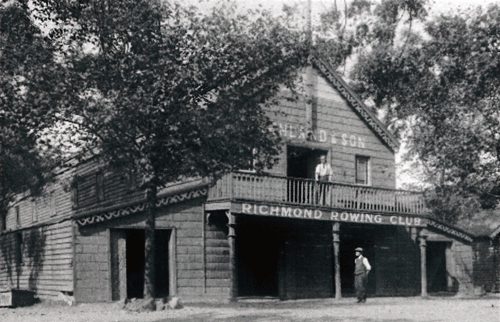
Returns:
point(336, 262)
point(423, 265)
point(233, 271)
point(204, 247)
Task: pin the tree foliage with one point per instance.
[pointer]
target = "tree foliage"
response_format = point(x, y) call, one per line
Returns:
point(360, 25)
point(28, 90)
point(435, 80)
point(172, 92)
point(442, 91)
point(168, 92)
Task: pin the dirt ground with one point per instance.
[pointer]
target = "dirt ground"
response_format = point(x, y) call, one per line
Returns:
point(432, 309)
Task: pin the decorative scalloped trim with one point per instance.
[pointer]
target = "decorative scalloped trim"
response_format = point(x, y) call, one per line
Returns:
point(355, 103)
point(449, 230)
point(97, 218)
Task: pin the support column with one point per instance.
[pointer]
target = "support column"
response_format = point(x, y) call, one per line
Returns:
point(423, 265)
point(118, 264)
point(336, 261)
point(233, 271)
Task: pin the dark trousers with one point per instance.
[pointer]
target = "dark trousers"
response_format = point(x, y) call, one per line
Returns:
point(360, 286)
point(322, 190)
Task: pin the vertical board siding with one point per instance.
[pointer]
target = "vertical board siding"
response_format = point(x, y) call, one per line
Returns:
point(463, 258)
point(461, 267)
point(308, 263)
point(46, 266)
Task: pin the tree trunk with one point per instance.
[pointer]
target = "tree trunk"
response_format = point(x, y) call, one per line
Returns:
point(149, 243)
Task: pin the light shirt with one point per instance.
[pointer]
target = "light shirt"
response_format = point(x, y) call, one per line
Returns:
point(323, 170)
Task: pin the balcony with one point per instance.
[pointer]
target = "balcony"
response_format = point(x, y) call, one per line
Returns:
point(240, 186)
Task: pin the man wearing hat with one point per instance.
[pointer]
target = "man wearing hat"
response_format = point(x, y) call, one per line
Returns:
point(361, 269)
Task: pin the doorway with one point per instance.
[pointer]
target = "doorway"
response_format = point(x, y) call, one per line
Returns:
point(127, 263)
point(436, 267)
point(301, 164)
point(301, 161)
point(283, 257)
point(258, 245)
point(135, 263)
point(351, 237)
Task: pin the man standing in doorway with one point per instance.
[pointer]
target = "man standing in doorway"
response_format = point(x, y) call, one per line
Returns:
point(361, 269)
point(323, 173)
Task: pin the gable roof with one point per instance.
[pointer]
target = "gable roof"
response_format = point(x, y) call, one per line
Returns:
point(359, 107)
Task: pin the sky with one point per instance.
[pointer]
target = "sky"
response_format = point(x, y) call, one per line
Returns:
point(319, 5)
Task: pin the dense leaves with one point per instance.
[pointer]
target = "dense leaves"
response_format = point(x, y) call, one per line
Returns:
point(345, 32)
point(435, 81)
point(28, 92)
point(442, 91)
point(168, 92)
point(171, 92)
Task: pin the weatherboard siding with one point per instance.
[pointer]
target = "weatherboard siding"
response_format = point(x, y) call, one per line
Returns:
point(46, 262)
point(338, 129)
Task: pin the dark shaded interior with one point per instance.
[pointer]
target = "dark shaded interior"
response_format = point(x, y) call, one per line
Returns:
point(436, 267)
point(135, 263)
point(351, 237)
point(258, 242)
point(301, 162)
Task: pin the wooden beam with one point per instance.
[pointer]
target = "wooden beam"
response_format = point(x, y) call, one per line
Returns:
point(336, 261)
point(233, 292)
point(423, 265)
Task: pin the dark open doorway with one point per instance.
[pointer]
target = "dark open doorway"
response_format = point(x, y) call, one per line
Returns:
point(285, 258)
point(257, 245)
point(301, 162)
point(351, 237)
point(135, 262)
point(162, 276)
point(436, 267)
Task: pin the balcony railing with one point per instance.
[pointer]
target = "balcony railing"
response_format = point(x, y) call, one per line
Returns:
point(253, 187)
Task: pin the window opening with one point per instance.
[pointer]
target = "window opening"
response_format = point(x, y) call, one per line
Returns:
point(18, 216)
point(34, 210)
point(362, 170)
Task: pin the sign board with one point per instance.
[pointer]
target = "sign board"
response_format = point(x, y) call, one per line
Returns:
point(318, 214)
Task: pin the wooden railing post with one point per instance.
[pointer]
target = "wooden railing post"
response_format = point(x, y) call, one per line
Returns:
point(250, 186)
point(231, 186)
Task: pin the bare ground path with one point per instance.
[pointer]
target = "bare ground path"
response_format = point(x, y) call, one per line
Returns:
point(433, 309)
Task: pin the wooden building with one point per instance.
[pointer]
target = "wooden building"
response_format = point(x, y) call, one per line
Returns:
point(281, 234)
